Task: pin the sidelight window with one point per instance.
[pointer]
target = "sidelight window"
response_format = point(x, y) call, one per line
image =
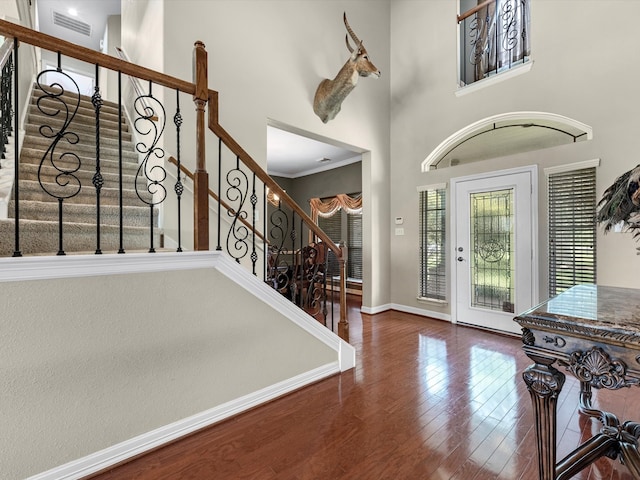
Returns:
point(433, 285)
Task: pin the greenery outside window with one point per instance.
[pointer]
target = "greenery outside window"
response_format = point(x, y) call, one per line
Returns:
point(433, 281)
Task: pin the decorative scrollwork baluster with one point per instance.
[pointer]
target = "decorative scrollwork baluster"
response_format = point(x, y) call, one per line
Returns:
point(5, 99)
point(237, 190)
point(178, 188)
point(150, 176)
point(254, 202)
point(54, 104)
point(278, 269)
point(98, 181)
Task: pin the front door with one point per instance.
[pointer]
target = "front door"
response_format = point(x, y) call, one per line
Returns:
point(494, 244)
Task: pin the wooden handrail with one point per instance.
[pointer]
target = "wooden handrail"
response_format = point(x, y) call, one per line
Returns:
point(93, 57)
point(212, 194)
point(215, 127)
point(475, 9)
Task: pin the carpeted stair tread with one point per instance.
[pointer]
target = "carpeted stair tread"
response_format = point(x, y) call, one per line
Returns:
point(132, 216)
point(39, 211)
point(107, 151)
point(110, 176)
point(49, 106)
point(42, 237)
point(32, 190)
point(33, 156)
point(86, 132)
point(108, 126)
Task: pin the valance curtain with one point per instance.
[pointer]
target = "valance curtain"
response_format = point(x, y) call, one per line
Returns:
point(329, 207)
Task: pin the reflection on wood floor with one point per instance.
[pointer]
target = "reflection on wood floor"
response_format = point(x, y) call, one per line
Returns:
point(427, 400)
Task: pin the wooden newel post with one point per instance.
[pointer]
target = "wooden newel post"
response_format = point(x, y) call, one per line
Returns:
point(343, 323)
point(201, 177)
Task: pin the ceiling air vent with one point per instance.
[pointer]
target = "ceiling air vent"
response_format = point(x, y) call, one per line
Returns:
point(72, 24)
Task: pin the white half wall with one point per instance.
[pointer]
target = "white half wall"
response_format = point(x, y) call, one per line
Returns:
point(102, 357)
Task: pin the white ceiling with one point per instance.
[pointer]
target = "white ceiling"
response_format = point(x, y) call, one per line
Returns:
point(291, 155)
point(90, 12)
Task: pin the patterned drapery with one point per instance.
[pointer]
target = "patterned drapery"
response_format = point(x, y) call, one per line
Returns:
point(331, 206)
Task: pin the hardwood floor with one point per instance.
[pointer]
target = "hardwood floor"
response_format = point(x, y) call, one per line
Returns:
point(427, 400)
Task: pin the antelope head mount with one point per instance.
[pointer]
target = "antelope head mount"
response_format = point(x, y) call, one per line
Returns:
point(331, 93)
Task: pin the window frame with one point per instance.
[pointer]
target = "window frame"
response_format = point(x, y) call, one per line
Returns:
point(565, 177)
point(439, 209)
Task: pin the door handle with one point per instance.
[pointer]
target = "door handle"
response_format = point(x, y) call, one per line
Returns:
point(460, 259)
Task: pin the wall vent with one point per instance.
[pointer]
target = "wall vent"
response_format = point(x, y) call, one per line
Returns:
point(64, 21)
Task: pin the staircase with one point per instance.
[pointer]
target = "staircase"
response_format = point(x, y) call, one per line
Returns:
point(39, 211)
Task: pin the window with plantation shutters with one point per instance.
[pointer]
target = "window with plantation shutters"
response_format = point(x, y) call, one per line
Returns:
point(332, 226)
point(572, 229)
point(354, 233)
point(433, 281)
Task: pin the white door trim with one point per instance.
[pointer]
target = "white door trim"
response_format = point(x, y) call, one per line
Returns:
point(533, 170)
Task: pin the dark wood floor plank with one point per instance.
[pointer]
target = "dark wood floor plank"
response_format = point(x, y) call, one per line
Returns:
point(427, 400)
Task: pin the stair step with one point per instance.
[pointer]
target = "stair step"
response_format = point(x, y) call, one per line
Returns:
point(82, 150)
point(108, 110)
point(79, 121)
point(77, 213)
point(39, 211)
point(33, 156)
point(32, 190)
point(86, 131)
point(110, 176)
point(41, 237)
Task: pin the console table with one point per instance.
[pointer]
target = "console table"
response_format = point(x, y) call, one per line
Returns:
point(592, 332)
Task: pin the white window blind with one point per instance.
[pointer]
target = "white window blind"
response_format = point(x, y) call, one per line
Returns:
point(432, 244)
point(354, 262)
point(572, 229)
point(332, 226)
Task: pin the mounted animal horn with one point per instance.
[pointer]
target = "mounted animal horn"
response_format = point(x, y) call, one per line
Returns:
point(355, 38)
point(331, 93)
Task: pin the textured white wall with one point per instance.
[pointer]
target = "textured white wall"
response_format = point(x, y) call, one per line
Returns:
point(86, 363)
point(582, 69)
point(266, 60)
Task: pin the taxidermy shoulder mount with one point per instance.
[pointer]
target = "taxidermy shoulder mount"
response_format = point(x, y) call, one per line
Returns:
point(331, 93)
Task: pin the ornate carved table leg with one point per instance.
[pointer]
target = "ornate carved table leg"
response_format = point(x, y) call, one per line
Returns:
point(544, 384)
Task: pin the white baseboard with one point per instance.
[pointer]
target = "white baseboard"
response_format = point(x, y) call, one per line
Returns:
point(374, 310)
point(120, 452)
point(421, 311)
point(407, 309)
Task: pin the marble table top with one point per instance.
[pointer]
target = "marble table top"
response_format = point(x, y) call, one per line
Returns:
point(589, 310)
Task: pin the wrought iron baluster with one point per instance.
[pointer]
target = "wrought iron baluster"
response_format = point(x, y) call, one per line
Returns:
point(237, 190)
point(149, 178)
point(254, 201)
point(16, 159)
point(120, 187)
point(265, 243)
point(324, 285)
point(294, 260)
point(219, 246)
point(52, 103)
point(179, 188)
point(98, 181)
point(281, 272)
point(5, 96)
